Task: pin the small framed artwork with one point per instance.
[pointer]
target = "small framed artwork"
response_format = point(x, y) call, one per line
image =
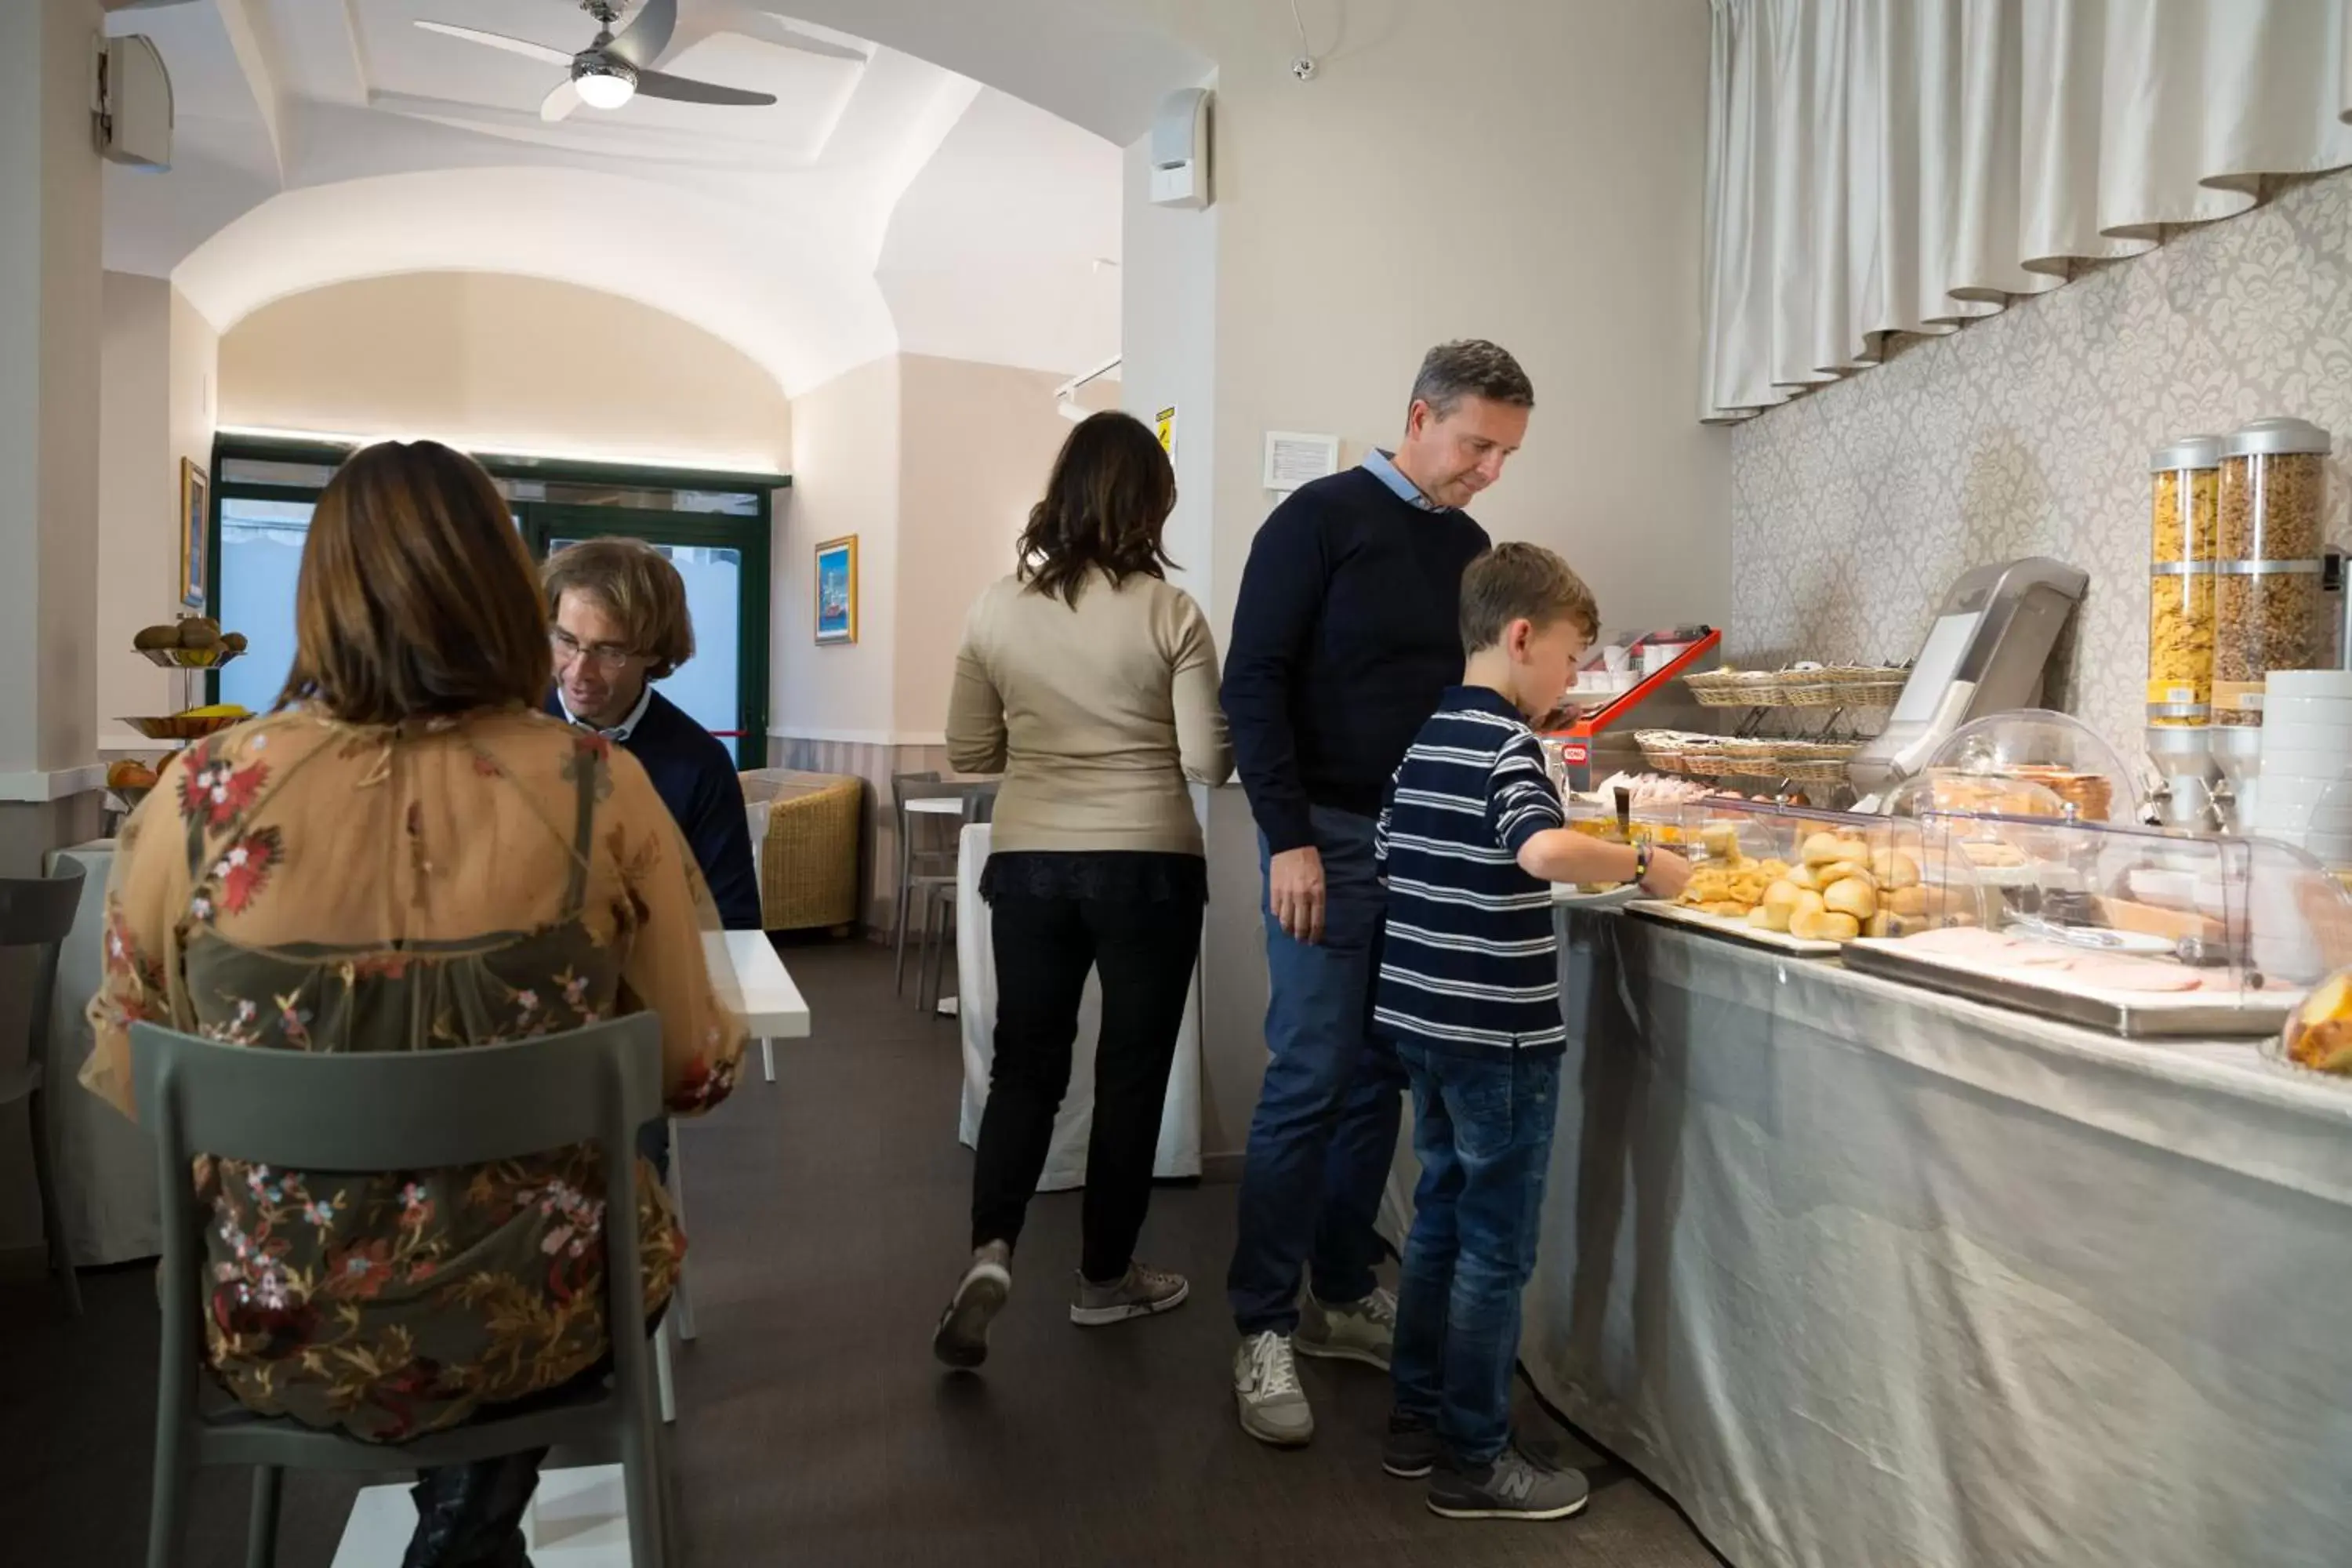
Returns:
point(836, 590)
point(194, 580)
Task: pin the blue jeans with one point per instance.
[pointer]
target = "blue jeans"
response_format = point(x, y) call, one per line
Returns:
point(1482, 1127)
point(1326, 1128)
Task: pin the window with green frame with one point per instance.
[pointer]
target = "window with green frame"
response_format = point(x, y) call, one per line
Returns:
point(715, 527)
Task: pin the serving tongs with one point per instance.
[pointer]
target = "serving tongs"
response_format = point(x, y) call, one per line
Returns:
point(2189, 950)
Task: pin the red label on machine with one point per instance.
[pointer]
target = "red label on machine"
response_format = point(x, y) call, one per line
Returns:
point(1575, 754)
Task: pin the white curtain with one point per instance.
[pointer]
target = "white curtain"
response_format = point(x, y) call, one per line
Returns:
point(1881, 166)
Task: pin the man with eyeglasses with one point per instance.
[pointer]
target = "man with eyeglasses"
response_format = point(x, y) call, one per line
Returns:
point(620, 623)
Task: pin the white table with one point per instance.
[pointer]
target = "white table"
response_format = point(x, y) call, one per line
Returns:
point(1179, 1151)
point(1862, 1274)
point(773, 1005)
point(936, 805)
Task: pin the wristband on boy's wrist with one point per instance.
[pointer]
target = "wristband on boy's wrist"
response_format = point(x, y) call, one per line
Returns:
point(1642, 862)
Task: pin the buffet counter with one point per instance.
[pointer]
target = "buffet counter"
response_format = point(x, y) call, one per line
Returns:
point(1864, 1275)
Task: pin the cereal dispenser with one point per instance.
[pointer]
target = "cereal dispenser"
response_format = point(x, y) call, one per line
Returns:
point(2184, 531)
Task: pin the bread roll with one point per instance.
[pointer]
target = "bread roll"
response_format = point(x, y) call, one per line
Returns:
point(1895, 868)
point(1824, 926)
point(1808, 902)
point(1851, 896)
point(1823, 848)
point(1767, 917)
point(1840, 870)
point(1910, 900)
point(1804, 876)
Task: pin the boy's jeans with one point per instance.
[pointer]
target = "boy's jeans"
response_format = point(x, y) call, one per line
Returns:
point(1482, 1127)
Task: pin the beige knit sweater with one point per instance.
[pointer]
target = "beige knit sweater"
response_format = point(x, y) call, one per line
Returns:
point(1096, 715)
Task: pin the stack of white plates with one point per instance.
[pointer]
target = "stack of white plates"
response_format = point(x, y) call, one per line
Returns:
point(2305, 798)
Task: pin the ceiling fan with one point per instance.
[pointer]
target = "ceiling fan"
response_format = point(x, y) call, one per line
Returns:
point(616, 68)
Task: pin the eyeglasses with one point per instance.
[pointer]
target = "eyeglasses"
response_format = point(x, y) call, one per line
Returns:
point(603, 654)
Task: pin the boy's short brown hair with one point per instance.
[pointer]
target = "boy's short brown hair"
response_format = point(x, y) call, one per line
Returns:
point(1520, 582)
point(637, 586)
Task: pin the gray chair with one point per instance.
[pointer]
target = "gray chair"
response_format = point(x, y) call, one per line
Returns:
point(939, 896)
point(37, 912)
point(394, 1111)
point(926, 860)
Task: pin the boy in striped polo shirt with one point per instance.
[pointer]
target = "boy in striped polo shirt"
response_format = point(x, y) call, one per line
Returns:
point(1472, 837)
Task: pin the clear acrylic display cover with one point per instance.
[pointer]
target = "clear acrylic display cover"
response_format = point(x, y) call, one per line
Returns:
point(2140, 931)
point(2019, 764)
point(1740, 849)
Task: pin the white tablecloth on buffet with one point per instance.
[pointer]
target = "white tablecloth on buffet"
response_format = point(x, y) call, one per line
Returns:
point(1867, 1276)
point(1178, 1153)
point(106, 1173)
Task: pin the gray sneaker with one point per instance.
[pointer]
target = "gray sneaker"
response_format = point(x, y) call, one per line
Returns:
point(1143, 1292)
point(1265, 1386)
point(962, 1338)
point(1361, 1330)
point(1513, 1486)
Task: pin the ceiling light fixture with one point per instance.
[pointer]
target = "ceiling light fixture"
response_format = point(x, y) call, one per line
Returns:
point(603, 82)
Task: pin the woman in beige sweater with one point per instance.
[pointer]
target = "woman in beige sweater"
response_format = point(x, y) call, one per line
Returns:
point(1092, 686)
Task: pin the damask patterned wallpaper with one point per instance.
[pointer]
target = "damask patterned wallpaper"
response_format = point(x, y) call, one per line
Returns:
point(2028, 433)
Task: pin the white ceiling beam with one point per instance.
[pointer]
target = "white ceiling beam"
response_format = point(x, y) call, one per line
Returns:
point(250, 35)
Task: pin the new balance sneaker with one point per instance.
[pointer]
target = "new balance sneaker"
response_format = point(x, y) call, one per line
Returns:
point(962, 1338)
point(1412, 1449)
point(1513, 1486)
point(1361, 1330)
point(1265, 1386)
point(1141, 1293)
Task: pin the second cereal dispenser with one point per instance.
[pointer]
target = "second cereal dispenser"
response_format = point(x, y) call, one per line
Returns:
point(2184, 525)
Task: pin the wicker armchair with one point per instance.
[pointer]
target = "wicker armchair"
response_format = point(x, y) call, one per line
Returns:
point(805, 829)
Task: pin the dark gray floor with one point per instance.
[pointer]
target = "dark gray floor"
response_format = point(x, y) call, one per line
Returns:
point(827, 1211)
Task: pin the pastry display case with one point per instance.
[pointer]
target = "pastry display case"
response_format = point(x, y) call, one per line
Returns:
point(2140, 931)
point(2032, 762)
point(1795, 879)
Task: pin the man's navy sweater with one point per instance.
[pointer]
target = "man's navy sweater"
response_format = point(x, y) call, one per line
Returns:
point(696, 779)
point(1347, 633)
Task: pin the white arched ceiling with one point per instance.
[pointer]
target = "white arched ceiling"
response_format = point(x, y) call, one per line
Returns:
point(774, 294)
point(880, 205)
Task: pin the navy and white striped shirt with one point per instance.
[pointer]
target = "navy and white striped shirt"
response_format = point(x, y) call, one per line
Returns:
point(1468, 960)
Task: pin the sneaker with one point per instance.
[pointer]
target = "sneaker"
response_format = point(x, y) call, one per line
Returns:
point(1265, 1386)
point(1513, 1486)
point(962, 1338)
point(1361, 1330)
point(1412, 1449)
point(1141, 1293)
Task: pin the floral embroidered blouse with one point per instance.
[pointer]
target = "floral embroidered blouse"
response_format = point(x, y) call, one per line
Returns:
point(301, 884)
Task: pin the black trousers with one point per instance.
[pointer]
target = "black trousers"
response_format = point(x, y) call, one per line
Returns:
point(1145, 950)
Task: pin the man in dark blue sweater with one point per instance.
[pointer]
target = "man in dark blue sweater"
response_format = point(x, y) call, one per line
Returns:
point(1346, 635)
point(620, 624)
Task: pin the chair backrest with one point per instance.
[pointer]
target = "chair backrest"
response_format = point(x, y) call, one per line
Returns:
point(36, 912)
point(901, 783)
point(979, 804)
point(396, 1110)
point(390, 1111)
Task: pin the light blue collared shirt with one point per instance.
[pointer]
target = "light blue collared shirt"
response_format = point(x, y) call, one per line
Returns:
point(1383, 465)
point(620, 731)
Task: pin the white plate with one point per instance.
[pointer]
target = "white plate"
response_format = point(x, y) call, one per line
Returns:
point(2335, 683)
point(2324, 712)
point(1737, 930)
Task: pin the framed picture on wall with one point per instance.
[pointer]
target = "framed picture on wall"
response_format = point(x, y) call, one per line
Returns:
point(195, 579)
point(836, 590)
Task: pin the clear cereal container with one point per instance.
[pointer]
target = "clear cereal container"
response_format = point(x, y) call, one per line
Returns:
point(2269, 610)
point(2185, 482)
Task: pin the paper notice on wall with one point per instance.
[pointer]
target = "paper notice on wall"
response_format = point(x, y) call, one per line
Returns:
point(1164, 425)
point(1293, 459)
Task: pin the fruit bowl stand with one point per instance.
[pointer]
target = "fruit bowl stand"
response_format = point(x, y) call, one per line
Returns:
point(172, 731)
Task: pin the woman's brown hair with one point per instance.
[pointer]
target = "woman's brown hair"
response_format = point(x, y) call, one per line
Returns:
point(1105, 507)
point(416, 595)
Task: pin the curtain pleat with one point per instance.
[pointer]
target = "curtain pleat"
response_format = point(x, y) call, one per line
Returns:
point(1885, 166)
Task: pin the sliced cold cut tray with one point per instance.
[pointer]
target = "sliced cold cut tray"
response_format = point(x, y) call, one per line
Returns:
point(2139, 998)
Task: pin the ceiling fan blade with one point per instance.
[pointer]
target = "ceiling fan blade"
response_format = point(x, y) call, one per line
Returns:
point(559, 102)
point(539, 52)
point(647, 34)
point(661, 84)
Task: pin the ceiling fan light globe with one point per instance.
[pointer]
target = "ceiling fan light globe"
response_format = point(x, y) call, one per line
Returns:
point(604, 84)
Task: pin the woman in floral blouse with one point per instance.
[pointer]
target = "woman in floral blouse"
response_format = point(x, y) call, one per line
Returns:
point(405, 855)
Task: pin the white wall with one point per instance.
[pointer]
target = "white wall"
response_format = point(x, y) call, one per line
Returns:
point(494, 361)
point(846, 447)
